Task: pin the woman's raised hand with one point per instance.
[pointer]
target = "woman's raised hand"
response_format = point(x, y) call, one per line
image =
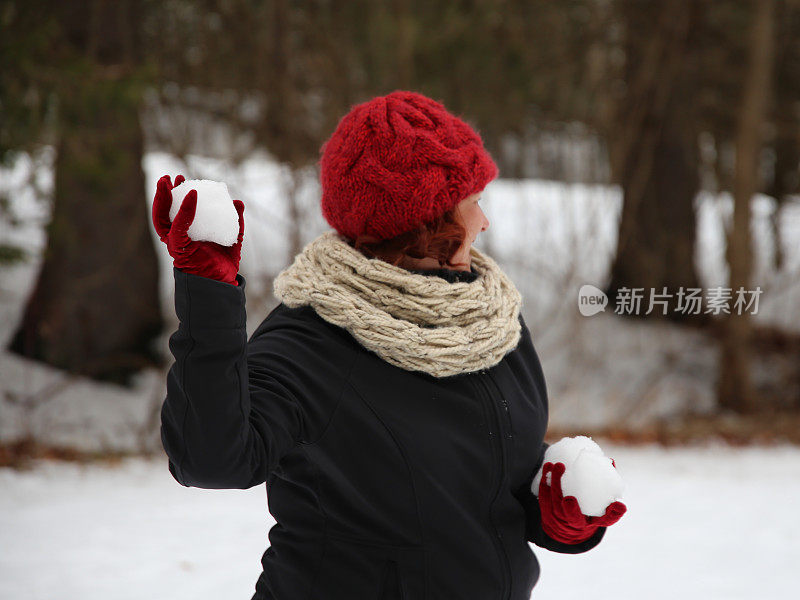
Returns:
point(207, 259)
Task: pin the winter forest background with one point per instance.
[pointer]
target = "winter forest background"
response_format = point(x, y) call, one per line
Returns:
point(641, 144)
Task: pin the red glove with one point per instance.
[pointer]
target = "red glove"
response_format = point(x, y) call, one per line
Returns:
point(207, 259)
point(562, 519)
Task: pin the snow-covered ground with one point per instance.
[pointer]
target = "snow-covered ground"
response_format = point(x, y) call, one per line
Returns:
point(705, 523)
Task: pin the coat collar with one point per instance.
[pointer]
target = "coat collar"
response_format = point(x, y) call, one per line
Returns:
point(451, 275)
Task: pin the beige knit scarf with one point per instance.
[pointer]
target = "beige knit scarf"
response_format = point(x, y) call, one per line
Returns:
point(414, 321)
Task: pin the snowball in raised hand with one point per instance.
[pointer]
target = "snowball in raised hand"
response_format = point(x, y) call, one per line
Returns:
point(215, 219)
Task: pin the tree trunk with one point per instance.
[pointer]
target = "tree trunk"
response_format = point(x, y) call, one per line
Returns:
point(656, 242)
point(734, 388)
point(654, 159)
point(95, 308)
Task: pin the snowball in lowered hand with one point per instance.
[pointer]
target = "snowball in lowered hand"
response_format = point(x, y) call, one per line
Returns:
point(589, 475)
point(215, 219)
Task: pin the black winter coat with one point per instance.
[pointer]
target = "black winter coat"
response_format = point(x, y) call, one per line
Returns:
point(384, 483)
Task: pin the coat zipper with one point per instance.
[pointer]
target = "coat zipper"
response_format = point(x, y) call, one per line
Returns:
point(501, 551)
point(504, 402)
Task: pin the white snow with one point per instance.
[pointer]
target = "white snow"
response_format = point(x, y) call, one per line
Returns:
point(711, 522)
point(589, 475)
point(215, 218)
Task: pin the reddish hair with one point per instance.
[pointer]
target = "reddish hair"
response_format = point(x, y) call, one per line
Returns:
point(439, 238)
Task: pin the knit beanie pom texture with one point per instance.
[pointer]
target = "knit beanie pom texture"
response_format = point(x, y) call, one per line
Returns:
point(396, 162)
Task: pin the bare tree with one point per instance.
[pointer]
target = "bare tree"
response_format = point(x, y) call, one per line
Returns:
point(735, 388)
point(653, 148)
point(95, 307)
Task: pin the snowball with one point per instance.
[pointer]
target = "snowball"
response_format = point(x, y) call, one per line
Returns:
point(215, 219)
point(589, 475)
point(566, 450)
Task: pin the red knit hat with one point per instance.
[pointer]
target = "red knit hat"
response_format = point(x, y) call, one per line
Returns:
point(396, 162)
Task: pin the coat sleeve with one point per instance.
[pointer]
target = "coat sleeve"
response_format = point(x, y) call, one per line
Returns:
point(535, 533)
point(226, 420)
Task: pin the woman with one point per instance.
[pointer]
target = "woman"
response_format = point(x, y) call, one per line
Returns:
point(393, 402)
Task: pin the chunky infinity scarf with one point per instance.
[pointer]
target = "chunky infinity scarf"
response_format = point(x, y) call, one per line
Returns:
point(413, 321)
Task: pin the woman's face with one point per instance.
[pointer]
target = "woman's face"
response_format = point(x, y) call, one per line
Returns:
point(471, 216)
point(474, 221)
